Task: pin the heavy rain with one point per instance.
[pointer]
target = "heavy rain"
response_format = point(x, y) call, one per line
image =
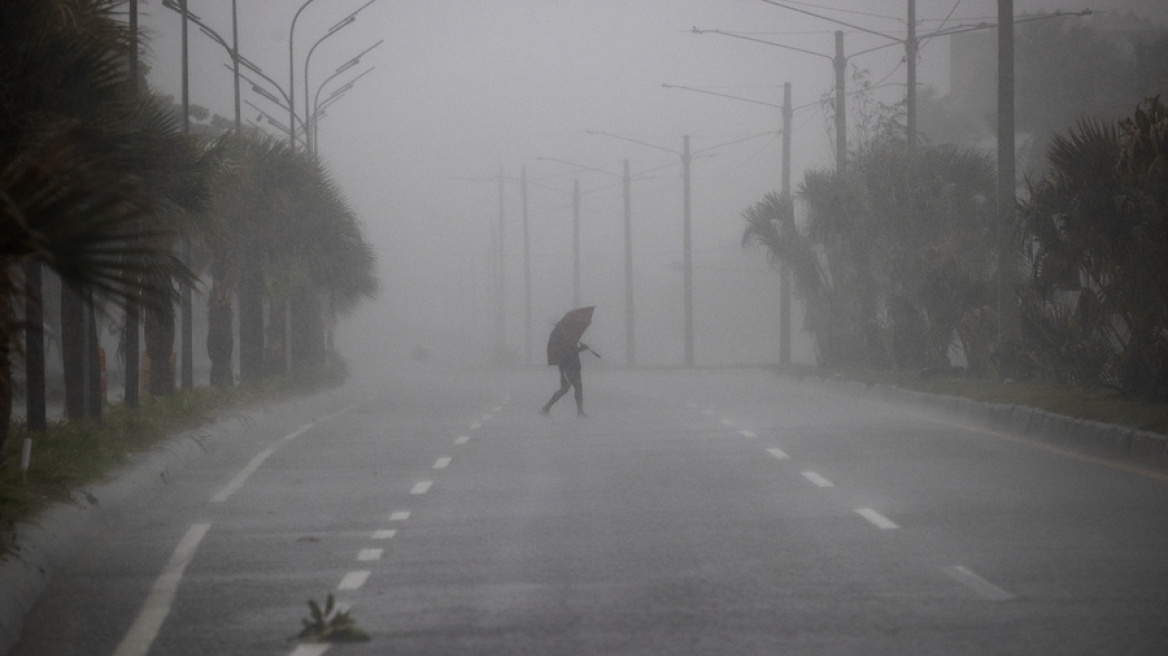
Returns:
point(638, 327)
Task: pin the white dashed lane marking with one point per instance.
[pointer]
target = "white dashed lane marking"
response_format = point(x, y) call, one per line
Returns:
point(384, 534)
point(462, 439)
point(727, 423)
point(310, 650)
point(367, 555)
point(475, 426)
point(982, 587)
point(746, 433)
point(399, 516)
point(778, 453)
point(878, 520)
point(353, 580)
point(421, 487)
point(442, 463)
point(817, 479)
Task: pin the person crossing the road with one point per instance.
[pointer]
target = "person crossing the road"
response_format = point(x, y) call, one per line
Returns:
point(570, 378)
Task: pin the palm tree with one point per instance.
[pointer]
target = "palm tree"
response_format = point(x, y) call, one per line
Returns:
point(895, 257)
point(71, 197)
point(1098, 223)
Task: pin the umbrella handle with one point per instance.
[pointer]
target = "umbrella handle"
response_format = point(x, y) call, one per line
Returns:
point(592, 352)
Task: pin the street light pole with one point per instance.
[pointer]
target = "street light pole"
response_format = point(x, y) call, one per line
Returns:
point(501, 299)
point(1007, 315)
point(785, 267)
point(187, 326)
point(840, 63)
point(630, 339)
point(911, 47)
point(687, 249)
point(292, 75)
point(526, 269)
point(576, 243)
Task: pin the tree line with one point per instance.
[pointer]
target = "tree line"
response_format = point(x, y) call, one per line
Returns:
point(896, 260)
point(101, 186)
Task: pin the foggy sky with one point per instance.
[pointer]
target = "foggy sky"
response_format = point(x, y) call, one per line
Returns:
point(464, 87)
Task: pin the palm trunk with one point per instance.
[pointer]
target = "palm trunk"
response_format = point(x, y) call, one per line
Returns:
point(275, 353)
point(220, 341)
point(73, 351)
point(307, 331)
point(158, 331)
point(251, 317)
point(34, 348)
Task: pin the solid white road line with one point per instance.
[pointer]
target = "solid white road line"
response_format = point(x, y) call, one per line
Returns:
point(778, 453)
point(442, 463)
point(384, 534)
point(399, 515)
point(982, 587)
point(746, 433)
point(313, 649)
point(817, 479)
point(880, 521)
point(354, 580)
point(241, 478)
point(366, 555)
point(421, 487)
point(145, 628)
point(462, 439)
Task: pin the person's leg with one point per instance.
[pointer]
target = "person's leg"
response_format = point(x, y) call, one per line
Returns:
point(577, 381)
point(564, 386)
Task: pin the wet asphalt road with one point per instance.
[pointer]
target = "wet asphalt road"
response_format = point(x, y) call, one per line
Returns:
point(724, 512)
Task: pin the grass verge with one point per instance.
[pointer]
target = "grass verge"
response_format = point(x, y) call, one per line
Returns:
point(70, 455)
point(1094, 404)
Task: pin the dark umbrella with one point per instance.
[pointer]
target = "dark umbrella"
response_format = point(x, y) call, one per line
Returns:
point(567, 333)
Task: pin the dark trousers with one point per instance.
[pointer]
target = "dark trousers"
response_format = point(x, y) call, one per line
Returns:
point(569, 378)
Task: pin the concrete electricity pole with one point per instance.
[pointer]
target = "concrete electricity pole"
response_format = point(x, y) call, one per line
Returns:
point(1007, 313)
point(785, 268)
point(526, 269)
point(630, 332)
point(687, 251)
point(576, 243)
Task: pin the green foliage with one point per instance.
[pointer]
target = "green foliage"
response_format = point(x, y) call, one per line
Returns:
point(895, 257)
point(1098, 221)
point(330, 625)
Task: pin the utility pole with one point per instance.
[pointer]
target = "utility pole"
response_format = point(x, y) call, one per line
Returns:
point(234, 62)
point(840, 63)
point(526, 270)
point(576, 243)
point(1007, 312)
point(911, 46)
point(785, 268)
point(501, 288)
point(687, 246)
point(187, 326)
point(133, 312)
point(630, 333)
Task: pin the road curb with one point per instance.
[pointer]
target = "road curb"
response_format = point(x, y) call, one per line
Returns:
point(46, 545)
point(1110, 441)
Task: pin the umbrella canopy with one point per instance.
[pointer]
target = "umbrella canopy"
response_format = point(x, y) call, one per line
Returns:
point(567, 333)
